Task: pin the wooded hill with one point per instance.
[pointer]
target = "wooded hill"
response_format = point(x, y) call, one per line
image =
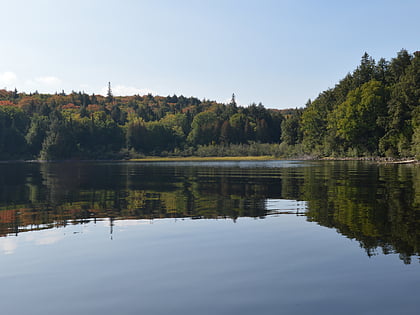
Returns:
point(373, 111)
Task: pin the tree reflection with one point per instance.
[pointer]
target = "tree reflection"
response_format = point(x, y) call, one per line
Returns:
point(378, 205)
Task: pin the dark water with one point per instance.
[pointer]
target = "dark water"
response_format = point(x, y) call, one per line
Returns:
point(209, 238)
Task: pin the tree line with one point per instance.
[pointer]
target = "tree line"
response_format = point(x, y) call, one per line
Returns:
point(82, 126)
point(373, 111)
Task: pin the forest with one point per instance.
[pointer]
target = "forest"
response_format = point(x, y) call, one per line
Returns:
point(373, 111)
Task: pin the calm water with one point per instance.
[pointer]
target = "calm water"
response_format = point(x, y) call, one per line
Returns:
point(209, 238)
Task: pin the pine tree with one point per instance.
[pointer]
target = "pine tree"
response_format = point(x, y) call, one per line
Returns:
point(109, 96)
point(233, 100)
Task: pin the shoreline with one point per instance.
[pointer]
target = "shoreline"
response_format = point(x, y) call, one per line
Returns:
point(205, 158)
point(378, 160)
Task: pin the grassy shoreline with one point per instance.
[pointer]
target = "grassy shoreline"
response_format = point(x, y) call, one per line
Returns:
point(272, 158)
point(206, 158)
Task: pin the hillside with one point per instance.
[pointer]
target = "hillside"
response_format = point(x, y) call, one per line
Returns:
point(373, 111)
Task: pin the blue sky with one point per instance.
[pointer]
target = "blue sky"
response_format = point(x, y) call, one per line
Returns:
point(280, 53)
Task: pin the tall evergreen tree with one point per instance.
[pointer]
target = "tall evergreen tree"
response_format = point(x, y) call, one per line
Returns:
point(109, 95)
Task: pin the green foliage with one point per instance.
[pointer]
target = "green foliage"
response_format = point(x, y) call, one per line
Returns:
point(135, 134)
point(404, 102)
point(291, 129)
point(204, 129)
point(160, 137)
point(36, 133)
point(371, 111)
point(416, 133)
point(98, 137)
point(59, 142)
point(314, 120)
point(81, 126)
point(355, 120)
point(13, 126)
point(398, 65)
point(239, 125)
point(416, 143)
point(178, 123)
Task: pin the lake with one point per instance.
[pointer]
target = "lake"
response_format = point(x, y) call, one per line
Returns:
point(264, 237)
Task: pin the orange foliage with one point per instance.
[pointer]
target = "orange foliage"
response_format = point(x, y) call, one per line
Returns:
point(187, 109)
point(8, 216)
point(70, 106)
point(59, 99)
point(4, 93)
point(7, 103)
point(29, 101)
point(94, 108)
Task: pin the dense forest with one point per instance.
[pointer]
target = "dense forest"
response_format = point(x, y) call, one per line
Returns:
point(373, 111)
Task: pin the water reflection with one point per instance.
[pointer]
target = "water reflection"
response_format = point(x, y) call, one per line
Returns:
point(379, 206)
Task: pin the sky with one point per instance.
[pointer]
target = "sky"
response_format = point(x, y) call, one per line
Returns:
point(279, 53)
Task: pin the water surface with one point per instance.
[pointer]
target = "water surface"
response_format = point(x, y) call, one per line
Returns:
point(277, 237)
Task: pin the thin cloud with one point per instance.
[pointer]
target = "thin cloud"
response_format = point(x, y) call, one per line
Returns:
point(48, 80)
point(8, 78)
point(43, 84)
point(122, 90)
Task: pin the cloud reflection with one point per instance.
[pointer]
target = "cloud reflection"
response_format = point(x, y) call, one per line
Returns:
point(8, 245)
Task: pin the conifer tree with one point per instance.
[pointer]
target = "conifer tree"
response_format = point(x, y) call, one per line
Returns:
point(109, 96)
